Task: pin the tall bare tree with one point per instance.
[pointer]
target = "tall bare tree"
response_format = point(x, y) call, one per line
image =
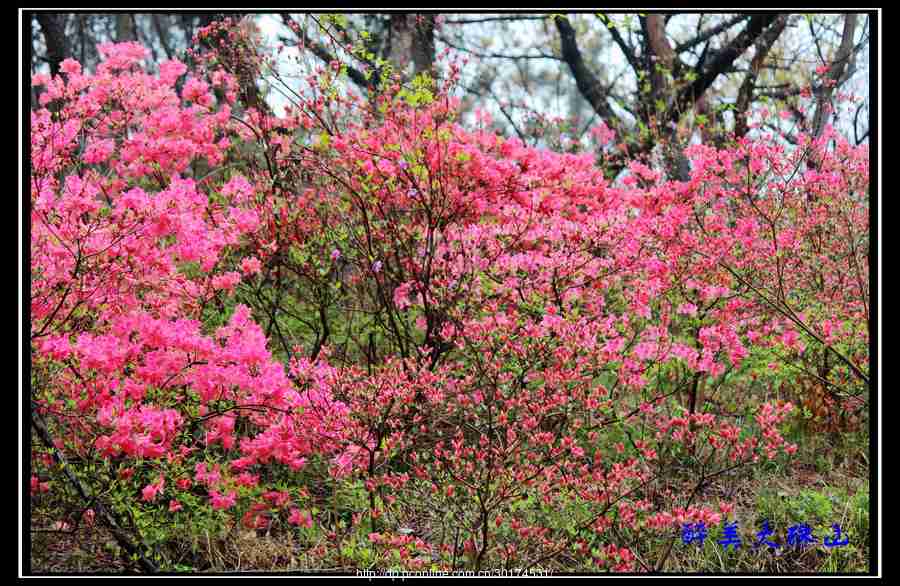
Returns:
point(669, 76)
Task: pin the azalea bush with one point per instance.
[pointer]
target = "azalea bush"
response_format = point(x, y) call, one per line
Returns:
point(402, 342)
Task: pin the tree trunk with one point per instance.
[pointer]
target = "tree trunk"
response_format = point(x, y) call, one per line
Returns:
point(125, 28)
point(412, 39)
point(837, 73)
point(423, 43)
point(54, 28)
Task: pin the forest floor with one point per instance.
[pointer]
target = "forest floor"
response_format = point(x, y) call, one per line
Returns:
point(827, 483)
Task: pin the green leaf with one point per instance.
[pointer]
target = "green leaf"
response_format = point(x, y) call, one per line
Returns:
point(324, 140)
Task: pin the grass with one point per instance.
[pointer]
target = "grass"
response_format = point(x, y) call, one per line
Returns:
point(823, 484)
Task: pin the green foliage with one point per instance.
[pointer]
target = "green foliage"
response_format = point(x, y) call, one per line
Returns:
point(420, 91)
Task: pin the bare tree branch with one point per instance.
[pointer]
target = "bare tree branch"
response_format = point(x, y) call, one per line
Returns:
point(588, 83)
point(495, 19)
point(710, 33)
point(856, 135)
point(452, 45)
point(722, 61)
point(745, 93)
point(323, 54)
point(836, 74)
point(627, 49)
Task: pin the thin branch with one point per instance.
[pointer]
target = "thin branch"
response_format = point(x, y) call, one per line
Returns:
point(447, 42)
point(496, 19)
point(789, 314)
point(588, 83)
point(722, 61)
point(763, 45)
point(836, 74)
point(856, 136)
point(627, 49)
point(710, 33)
point(355, 75)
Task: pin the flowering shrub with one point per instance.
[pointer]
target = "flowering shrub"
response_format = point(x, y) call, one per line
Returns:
point(236, 316)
